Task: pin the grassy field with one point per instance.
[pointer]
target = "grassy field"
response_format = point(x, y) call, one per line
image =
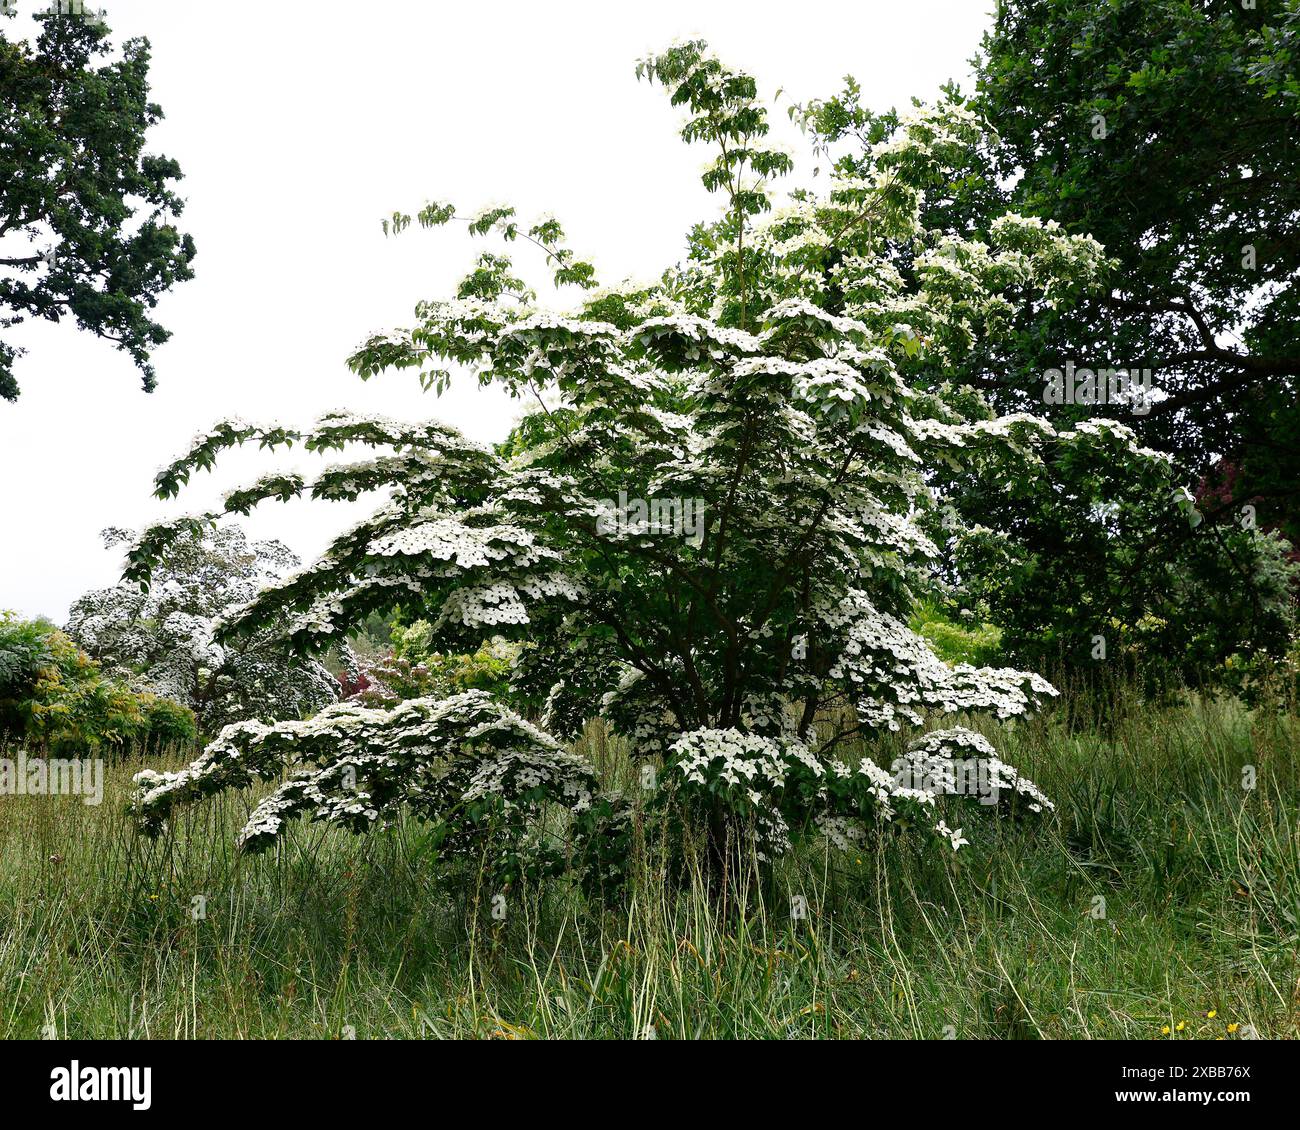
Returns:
point(1200, 878)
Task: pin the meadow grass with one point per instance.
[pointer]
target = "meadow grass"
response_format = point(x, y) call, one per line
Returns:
point(1200, 878)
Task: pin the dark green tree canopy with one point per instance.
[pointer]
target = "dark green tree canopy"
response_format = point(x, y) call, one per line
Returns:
point(1169, 132)
point(87, 217)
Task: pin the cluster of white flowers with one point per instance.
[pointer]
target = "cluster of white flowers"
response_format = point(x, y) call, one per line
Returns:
point(164, 640)
point(898, 674)
point(740, 760)
point(448, 539)
point(936, 760)
point(750, 776)
point(703, 333)
point(355, 766)
point(515, 776)
point(953, 836)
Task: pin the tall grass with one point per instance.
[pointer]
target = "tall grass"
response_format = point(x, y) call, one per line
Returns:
point(1200, 878)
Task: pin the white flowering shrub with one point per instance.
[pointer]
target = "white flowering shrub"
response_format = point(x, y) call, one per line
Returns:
point(164, 638)
point(469, 765)
point(745, 664)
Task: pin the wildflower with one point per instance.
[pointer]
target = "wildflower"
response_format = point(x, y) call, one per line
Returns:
point(956, 838)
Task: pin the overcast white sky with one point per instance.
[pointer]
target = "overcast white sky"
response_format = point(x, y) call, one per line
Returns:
point(298, 126)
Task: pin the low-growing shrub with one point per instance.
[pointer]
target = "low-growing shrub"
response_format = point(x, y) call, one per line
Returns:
point(412, 669)
point(53, 696)
point(963, 640)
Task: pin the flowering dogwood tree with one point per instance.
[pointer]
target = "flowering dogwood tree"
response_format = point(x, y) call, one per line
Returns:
point(743, 659)
point(162, 638)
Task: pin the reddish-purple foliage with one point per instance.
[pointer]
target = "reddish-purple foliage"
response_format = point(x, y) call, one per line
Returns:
point(349, 686)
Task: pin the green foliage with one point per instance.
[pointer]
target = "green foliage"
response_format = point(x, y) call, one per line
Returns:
point(24, 650)
point(1201, 880)
point(487, 669)
point(1263, 680)
point(1086, 547)
point(54, 696)
point(1168, 131)
point(161, 640)
point(1160, 131)
point(96, 211)
point(413, 669)
point(170, 725)
point(966, 640)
